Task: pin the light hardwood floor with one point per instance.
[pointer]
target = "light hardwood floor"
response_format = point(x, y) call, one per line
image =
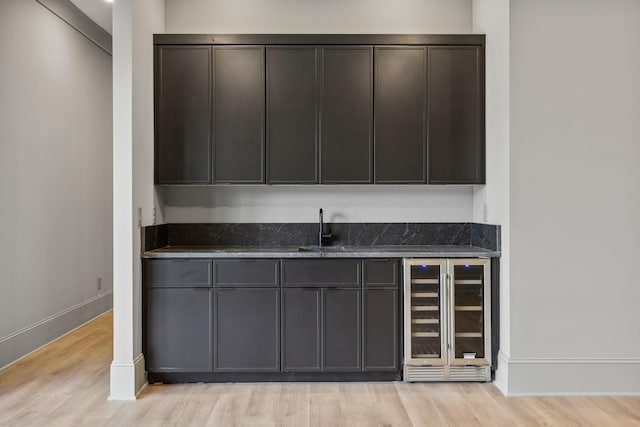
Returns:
point(67, 384)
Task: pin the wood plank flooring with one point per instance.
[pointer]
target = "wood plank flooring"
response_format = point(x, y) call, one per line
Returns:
point(67, 384)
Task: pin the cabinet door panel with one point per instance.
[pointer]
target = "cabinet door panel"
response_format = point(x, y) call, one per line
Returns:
point(178, 330)
point(247, 272)
point(456, 105)
point(341, 335)
point(380, 331)
point(183, 115)
point(175, 273)
point(238, 114)
point(247, 330)
point(380, 272)
point(301, 329)
point(400, 114)
point(321, 272)
point(346, 114)
point(292, 114)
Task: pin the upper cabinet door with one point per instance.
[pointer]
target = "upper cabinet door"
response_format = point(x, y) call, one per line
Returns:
point(346, 115)
point(238, 114)
point(292, 115)
point(183, 114)
point(400, 114)
point(456, 115)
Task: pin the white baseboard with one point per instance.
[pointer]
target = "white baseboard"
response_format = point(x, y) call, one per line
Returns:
point(571, 377)
point(22, 343)
point(127, 379)
point(502, 374)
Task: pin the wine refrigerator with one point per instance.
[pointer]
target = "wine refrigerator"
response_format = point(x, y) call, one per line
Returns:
point(447, 329)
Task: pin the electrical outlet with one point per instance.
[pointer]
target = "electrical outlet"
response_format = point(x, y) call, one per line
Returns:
point(485, 212)
point(99, 283)
point(154, 215)
point(139, 217)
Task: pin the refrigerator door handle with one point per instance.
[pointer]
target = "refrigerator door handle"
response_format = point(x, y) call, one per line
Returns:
point(446, 315)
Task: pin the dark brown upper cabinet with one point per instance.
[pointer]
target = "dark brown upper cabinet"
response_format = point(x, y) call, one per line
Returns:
point(209, 114)
point(400, 111)
point(328, 109)
point(238, 114)
point(346, 115)
point(456, 115)
point(292, 115)
point(319, 114)
point(183, 114)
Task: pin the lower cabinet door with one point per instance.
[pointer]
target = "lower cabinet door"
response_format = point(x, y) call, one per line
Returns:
point(342, 330)
point(178, 330)
point(380, 332)
point(301, 329)
point(247, 330)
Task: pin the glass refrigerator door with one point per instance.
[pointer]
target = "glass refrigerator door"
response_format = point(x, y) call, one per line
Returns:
point(470, 315)
point(424, 307)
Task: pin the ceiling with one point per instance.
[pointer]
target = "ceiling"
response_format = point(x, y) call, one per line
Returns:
point(98, 10)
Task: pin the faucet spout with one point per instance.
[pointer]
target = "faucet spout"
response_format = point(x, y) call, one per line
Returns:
point(324, 236)
point(320, 229)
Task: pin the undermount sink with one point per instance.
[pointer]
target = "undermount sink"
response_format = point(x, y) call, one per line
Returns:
point(322, 249)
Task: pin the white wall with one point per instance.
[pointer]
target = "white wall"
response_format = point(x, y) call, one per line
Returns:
point(349, 203)
point(55, 178)
point(575, 198)
point(491, 202)
point(316, 16)
point(300, 203)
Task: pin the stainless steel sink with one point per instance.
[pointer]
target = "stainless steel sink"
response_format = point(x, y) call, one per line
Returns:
point(322, 249)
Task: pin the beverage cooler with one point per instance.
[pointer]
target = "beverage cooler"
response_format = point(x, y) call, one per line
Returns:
point(447, 331)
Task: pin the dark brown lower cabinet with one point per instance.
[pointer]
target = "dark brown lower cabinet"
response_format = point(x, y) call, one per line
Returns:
point(380, 335)
point(321, 330)
point(178, 332)
point(271, 319)
point(247, 330)
point(301, 334)
point(341, 330)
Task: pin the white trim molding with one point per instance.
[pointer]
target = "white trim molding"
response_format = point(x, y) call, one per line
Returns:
point(128, 379)
point(581, 376)
point(78, 20)
point(21, 343)
point(502, 373)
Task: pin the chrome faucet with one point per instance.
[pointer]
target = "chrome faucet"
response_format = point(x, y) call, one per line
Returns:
point(323, 236)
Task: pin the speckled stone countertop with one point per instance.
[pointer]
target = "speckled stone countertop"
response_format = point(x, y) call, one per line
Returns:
point(393, 251)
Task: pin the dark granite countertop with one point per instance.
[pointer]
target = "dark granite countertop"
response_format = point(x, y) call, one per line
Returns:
point(300, 240)
point(376, 251)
